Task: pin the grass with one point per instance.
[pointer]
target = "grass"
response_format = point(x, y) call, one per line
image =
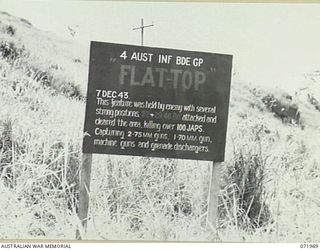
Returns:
point(244, 195)
point(270, 182)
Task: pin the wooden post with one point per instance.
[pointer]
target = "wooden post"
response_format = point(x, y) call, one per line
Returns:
point(84, 193)
point(214, 188)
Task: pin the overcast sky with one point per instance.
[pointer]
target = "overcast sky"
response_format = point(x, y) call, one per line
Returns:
point(272, 44)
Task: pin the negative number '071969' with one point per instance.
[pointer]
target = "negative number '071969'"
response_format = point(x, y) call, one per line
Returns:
point(305, 245)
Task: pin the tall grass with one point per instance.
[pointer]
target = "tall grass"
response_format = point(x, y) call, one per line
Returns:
point(141, 198)
point(244, 196)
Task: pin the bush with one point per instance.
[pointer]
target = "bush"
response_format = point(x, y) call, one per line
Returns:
point(313, 101)
point(68, 89)
point(6, 152)
point(287, 112)
point(243, 197)
point(10, 30)
point(9, 51)
point(76, 60)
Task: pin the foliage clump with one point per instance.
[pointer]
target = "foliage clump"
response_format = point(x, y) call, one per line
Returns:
point(288, 112)
point(9, 51)
point(244, 195)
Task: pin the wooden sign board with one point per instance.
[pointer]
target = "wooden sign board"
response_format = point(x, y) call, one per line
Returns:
point(157, 102)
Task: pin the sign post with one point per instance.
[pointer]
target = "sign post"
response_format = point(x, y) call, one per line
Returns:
point(84, 194)
point(213, 197)
point(156, 102)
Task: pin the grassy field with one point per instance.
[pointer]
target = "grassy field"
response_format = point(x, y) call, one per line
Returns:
point(270, 182)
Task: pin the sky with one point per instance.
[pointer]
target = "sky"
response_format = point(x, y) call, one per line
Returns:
point(271, 44)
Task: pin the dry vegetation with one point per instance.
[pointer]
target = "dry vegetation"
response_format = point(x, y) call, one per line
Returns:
point(270, 180)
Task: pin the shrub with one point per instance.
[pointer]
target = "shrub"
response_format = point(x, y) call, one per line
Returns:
point(6, 152)
point(68, 89)
point(10, 30)
point(243, 197)
point(287, 112)
point(314, 102)
point(25, 21)
point(41, 76)
point(76, 60)
point(9, 51)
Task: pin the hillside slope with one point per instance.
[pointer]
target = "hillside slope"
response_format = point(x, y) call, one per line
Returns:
point(271, 175)
point(43, 53)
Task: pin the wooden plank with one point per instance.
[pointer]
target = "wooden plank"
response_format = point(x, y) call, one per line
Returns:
point(213, 197)
point(84, 194)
